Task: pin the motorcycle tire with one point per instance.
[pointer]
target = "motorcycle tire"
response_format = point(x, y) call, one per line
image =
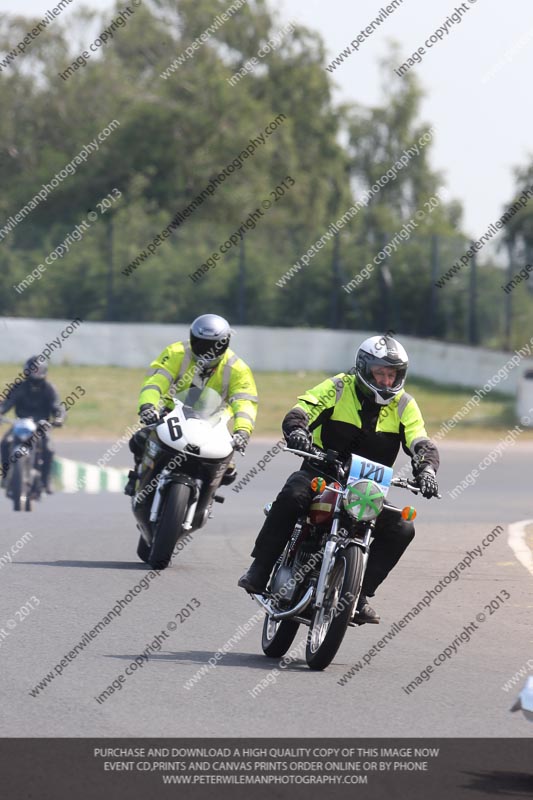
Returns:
point(168, 529)
point(16, 485)
point(328, 626)
point(143, 550)
point(278, 635)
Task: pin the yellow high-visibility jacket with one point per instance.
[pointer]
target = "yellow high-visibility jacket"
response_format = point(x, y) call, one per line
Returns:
point(176, 367)
point(341, 419)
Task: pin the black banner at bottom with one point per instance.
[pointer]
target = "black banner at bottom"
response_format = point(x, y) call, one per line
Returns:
point(416, 769)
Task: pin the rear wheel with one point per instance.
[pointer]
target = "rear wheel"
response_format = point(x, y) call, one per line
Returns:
point(329, 623)
point(278, 635)
point(170, 523)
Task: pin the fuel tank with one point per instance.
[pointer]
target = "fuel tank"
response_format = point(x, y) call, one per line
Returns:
point(322, 506)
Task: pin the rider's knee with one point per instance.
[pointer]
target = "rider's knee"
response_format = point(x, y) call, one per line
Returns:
point(138, 441)
point(406, 530)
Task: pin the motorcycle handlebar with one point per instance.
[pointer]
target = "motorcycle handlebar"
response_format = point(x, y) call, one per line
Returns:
point(318, 455)
point(403, 483)
point(305, 453)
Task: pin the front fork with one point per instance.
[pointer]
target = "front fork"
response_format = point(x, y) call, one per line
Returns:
point(333, 545)
point(165, 478)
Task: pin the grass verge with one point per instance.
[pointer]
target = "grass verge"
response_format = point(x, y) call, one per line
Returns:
point(109, 404)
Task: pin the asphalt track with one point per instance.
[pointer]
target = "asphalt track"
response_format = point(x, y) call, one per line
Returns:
point(81, 559)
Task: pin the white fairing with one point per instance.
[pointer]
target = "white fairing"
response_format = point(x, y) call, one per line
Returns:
point(202, 423)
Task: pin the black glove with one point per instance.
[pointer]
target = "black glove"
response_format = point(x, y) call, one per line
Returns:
point(300, 439)
point(427, 482)
point(240, 440)
point(148, 414)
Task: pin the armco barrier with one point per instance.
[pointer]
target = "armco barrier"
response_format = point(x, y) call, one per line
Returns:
point(264, 349)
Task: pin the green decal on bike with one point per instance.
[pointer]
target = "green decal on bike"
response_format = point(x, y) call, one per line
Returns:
point(364, 499)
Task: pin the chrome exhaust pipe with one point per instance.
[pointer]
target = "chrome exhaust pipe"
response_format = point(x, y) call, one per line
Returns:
point(298, 608)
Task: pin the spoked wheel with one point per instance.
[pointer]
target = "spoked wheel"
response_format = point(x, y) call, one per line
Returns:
point(329, 623)
point(278, 635)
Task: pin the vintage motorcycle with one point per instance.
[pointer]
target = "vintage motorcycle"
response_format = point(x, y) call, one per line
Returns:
point(317, 579)
point(185, 459)
point(23, 484)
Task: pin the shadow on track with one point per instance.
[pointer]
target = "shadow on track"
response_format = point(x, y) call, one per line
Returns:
point(132, 565)
point(201, 657)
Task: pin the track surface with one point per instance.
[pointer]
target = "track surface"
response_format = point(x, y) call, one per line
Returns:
point(81, 560)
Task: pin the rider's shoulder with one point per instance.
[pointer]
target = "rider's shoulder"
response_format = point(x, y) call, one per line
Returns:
point(176, 348)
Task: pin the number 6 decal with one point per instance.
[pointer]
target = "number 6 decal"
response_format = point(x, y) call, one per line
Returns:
point(174, 429)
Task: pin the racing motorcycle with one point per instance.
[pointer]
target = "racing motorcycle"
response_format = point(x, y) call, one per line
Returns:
point(185, 458)
point(317, 580)
point(23, 484)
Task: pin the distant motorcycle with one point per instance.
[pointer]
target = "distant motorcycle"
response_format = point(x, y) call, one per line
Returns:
point(23, 484)
point(317, 579)
point(185, 458)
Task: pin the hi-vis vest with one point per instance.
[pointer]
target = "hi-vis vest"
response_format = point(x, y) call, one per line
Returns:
point(177, 368)
point(333, 408)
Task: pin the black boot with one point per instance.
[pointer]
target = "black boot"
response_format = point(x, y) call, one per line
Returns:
point(364, 613)
point(255, 579)
point(129, 488)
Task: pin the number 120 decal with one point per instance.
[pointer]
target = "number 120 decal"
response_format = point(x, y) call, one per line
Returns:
point(371, 471)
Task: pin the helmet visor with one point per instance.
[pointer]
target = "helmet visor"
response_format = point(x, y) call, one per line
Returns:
point(383, 376)
point(35, 370)
point(208, 349)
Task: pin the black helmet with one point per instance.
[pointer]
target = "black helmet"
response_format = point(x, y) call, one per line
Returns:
point(209, 338)
point(380, 351)
point(34, 369)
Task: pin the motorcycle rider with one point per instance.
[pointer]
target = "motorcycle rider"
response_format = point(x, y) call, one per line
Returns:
point(205, 361)
point(37, 398)
point(367, 412)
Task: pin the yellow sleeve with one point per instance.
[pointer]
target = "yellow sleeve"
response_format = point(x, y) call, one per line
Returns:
point(243, 397)
point(161, 375)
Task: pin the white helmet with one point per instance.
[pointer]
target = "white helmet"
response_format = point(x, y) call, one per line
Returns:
point(380, 351)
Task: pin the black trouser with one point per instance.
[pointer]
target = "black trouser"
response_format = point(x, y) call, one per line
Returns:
point(47, 455)
point(392, 534)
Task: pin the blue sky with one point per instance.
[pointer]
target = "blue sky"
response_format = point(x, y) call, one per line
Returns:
point(476, 81)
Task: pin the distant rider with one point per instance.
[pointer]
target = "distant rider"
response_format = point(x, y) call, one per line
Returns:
point(370, 414)
point(37, 398)
point(205, 361)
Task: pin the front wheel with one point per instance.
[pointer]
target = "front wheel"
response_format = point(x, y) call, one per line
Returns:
point(170, 523)
point(329, 623)
point(143, 550)
point(17, 485)
point(278, 635)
